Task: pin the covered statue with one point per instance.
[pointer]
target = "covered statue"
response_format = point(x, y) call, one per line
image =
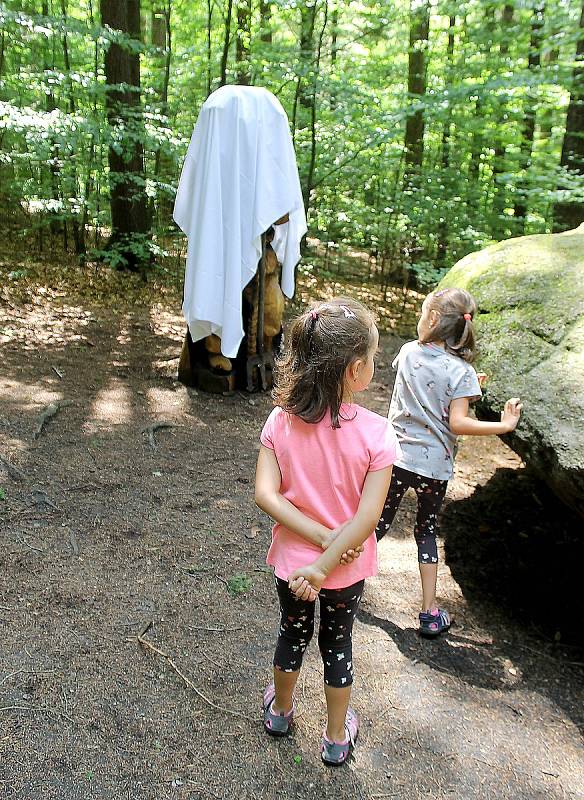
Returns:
point(240, 205)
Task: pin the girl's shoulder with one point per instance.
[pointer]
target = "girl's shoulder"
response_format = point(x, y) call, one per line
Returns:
point(371, 422)
point(403, 353)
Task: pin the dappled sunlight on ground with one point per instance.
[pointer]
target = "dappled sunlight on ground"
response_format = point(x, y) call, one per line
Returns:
point(112, 405)
point(27, 396)
point(166, 323)
point(43, 325)
point(167, 403)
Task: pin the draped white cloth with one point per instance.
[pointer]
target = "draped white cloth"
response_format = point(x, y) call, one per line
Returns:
point(238, 178)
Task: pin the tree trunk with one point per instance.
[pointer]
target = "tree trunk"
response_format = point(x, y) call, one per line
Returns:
point(570, 214)
point(226, 43)
point(499, 188)
point(266, 22)
point(209, 53)
point(308, 185)
point(477, 142)
point(164, 37)
point(526, 147)
point(78, 229)
point(129, 208)
point(307, 21)
point(414, 135)
point(442, 227)
point(242, 43)
point(51, 105)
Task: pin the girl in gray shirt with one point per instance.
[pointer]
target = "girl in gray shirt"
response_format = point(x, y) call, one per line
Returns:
point(429, 408)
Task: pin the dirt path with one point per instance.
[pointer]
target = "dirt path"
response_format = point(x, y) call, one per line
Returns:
point(106, 534)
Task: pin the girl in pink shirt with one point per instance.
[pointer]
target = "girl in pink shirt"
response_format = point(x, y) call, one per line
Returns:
point(323, 472)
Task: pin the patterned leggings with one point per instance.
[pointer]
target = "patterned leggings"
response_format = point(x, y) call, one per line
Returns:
point(430, 494)
point(338, 608)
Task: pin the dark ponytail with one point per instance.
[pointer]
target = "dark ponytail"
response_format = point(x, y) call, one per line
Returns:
point(456, 309)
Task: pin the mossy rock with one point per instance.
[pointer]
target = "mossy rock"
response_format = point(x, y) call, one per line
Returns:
point(530, 327)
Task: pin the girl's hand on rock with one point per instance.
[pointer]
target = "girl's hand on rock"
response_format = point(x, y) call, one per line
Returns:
point(511, 413)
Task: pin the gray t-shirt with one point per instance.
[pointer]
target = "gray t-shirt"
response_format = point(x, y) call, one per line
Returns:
point(427, 379)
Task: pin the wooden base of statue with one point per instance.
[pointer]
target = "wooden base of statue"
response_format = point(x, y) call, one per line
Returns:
point(192, 372)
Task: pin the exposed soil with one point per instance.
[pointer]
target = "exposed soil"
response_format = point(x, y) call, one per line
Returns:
point(105, 536)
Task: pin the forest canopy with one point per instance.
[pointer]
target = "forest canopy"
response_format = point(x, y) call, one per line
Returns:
point(423, 130)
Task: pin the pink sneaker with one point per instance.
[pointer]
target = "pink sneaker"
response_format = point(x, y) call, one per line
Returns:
point(336, 753)
point(275, 724)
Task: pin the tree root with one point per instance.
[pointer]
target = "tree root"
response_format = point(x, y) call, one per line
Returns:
point(149, 646)
point(13, 471)
point(50, 411)
point(151, 430)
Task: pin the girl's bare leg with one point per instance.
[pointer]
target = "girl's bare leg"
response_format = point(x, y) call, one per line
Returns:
point(429, 575)
point(337, 703)
point(285, 683)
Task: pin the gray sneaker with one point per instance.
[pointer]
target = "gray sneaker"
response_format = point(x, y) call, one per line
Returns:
point(336, 753)
point(275, 724)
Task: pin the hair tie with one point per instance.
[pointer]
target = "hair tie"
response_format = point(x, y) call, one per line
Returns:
point(467, 317)
point(314, 314)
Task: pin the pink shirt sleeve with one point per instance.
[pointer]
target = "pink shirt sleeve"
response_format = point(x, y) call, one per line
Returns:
point(384, 449)
point(267, 434)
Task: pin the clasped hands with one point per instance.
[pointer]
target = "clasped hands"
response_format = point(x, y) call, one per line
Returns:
point(306, 582)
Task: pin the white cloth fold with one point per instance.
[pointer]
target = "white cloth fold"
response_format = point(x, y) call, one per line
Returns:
point(239, 176)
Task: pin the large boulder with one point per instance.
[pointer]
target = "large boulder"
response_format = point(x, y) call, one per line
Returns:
point(530, 326)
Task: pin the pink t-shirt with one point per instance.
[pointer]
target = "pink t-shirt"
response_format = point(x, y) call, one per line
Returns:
point(323, 471)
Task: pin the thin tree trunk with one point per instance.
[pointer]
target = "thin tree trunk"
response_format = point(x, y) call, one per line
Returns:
point(209, 26)
point(415, 124)
point(533, 65)
point(310, 176)
point(307, 21)
point(243, 41)
point(166, 77)
point(51, 105)
point(78, 230)
point(569, 214)
point(442, 227)
point(226, 43)
point(334, 52)
point(477, 141)
point(266, 22)
point(499, 187)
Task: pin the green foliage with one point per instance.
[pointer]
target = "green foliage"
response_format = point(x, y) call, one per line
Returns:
point(480, 166)
point(239, 584)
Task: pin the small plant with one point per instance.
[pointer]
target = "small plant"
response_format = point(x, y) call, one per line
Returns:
point(2, 494)
point(238, 584)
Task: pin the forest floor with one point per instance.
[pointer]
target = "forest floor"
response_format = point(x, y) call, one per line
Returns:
point(108, 534)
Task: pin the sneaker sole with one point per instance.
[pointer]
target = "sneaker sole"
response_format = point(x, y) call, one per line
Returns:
point(433, 634)
point(276, 734)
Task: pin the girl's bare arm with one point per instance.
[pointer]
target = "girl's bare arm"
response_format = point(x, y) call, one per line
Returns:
point(269, 499)
point(461, 423)
point(353, 535)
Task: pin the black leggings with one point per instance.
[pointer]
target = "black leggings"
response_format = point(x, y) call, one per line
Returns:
point(338, 608)
point(430, 494)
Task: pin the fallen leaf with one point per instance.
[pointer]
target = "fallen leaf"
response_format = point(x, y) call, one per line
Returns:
point(253, 532)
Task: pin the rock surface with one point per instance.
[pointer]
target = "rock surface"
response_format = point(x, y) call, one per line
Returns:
point(530, 326)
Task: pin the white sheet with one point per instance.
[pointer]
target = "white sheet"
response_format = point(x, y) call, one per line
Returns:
point(238, 178)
